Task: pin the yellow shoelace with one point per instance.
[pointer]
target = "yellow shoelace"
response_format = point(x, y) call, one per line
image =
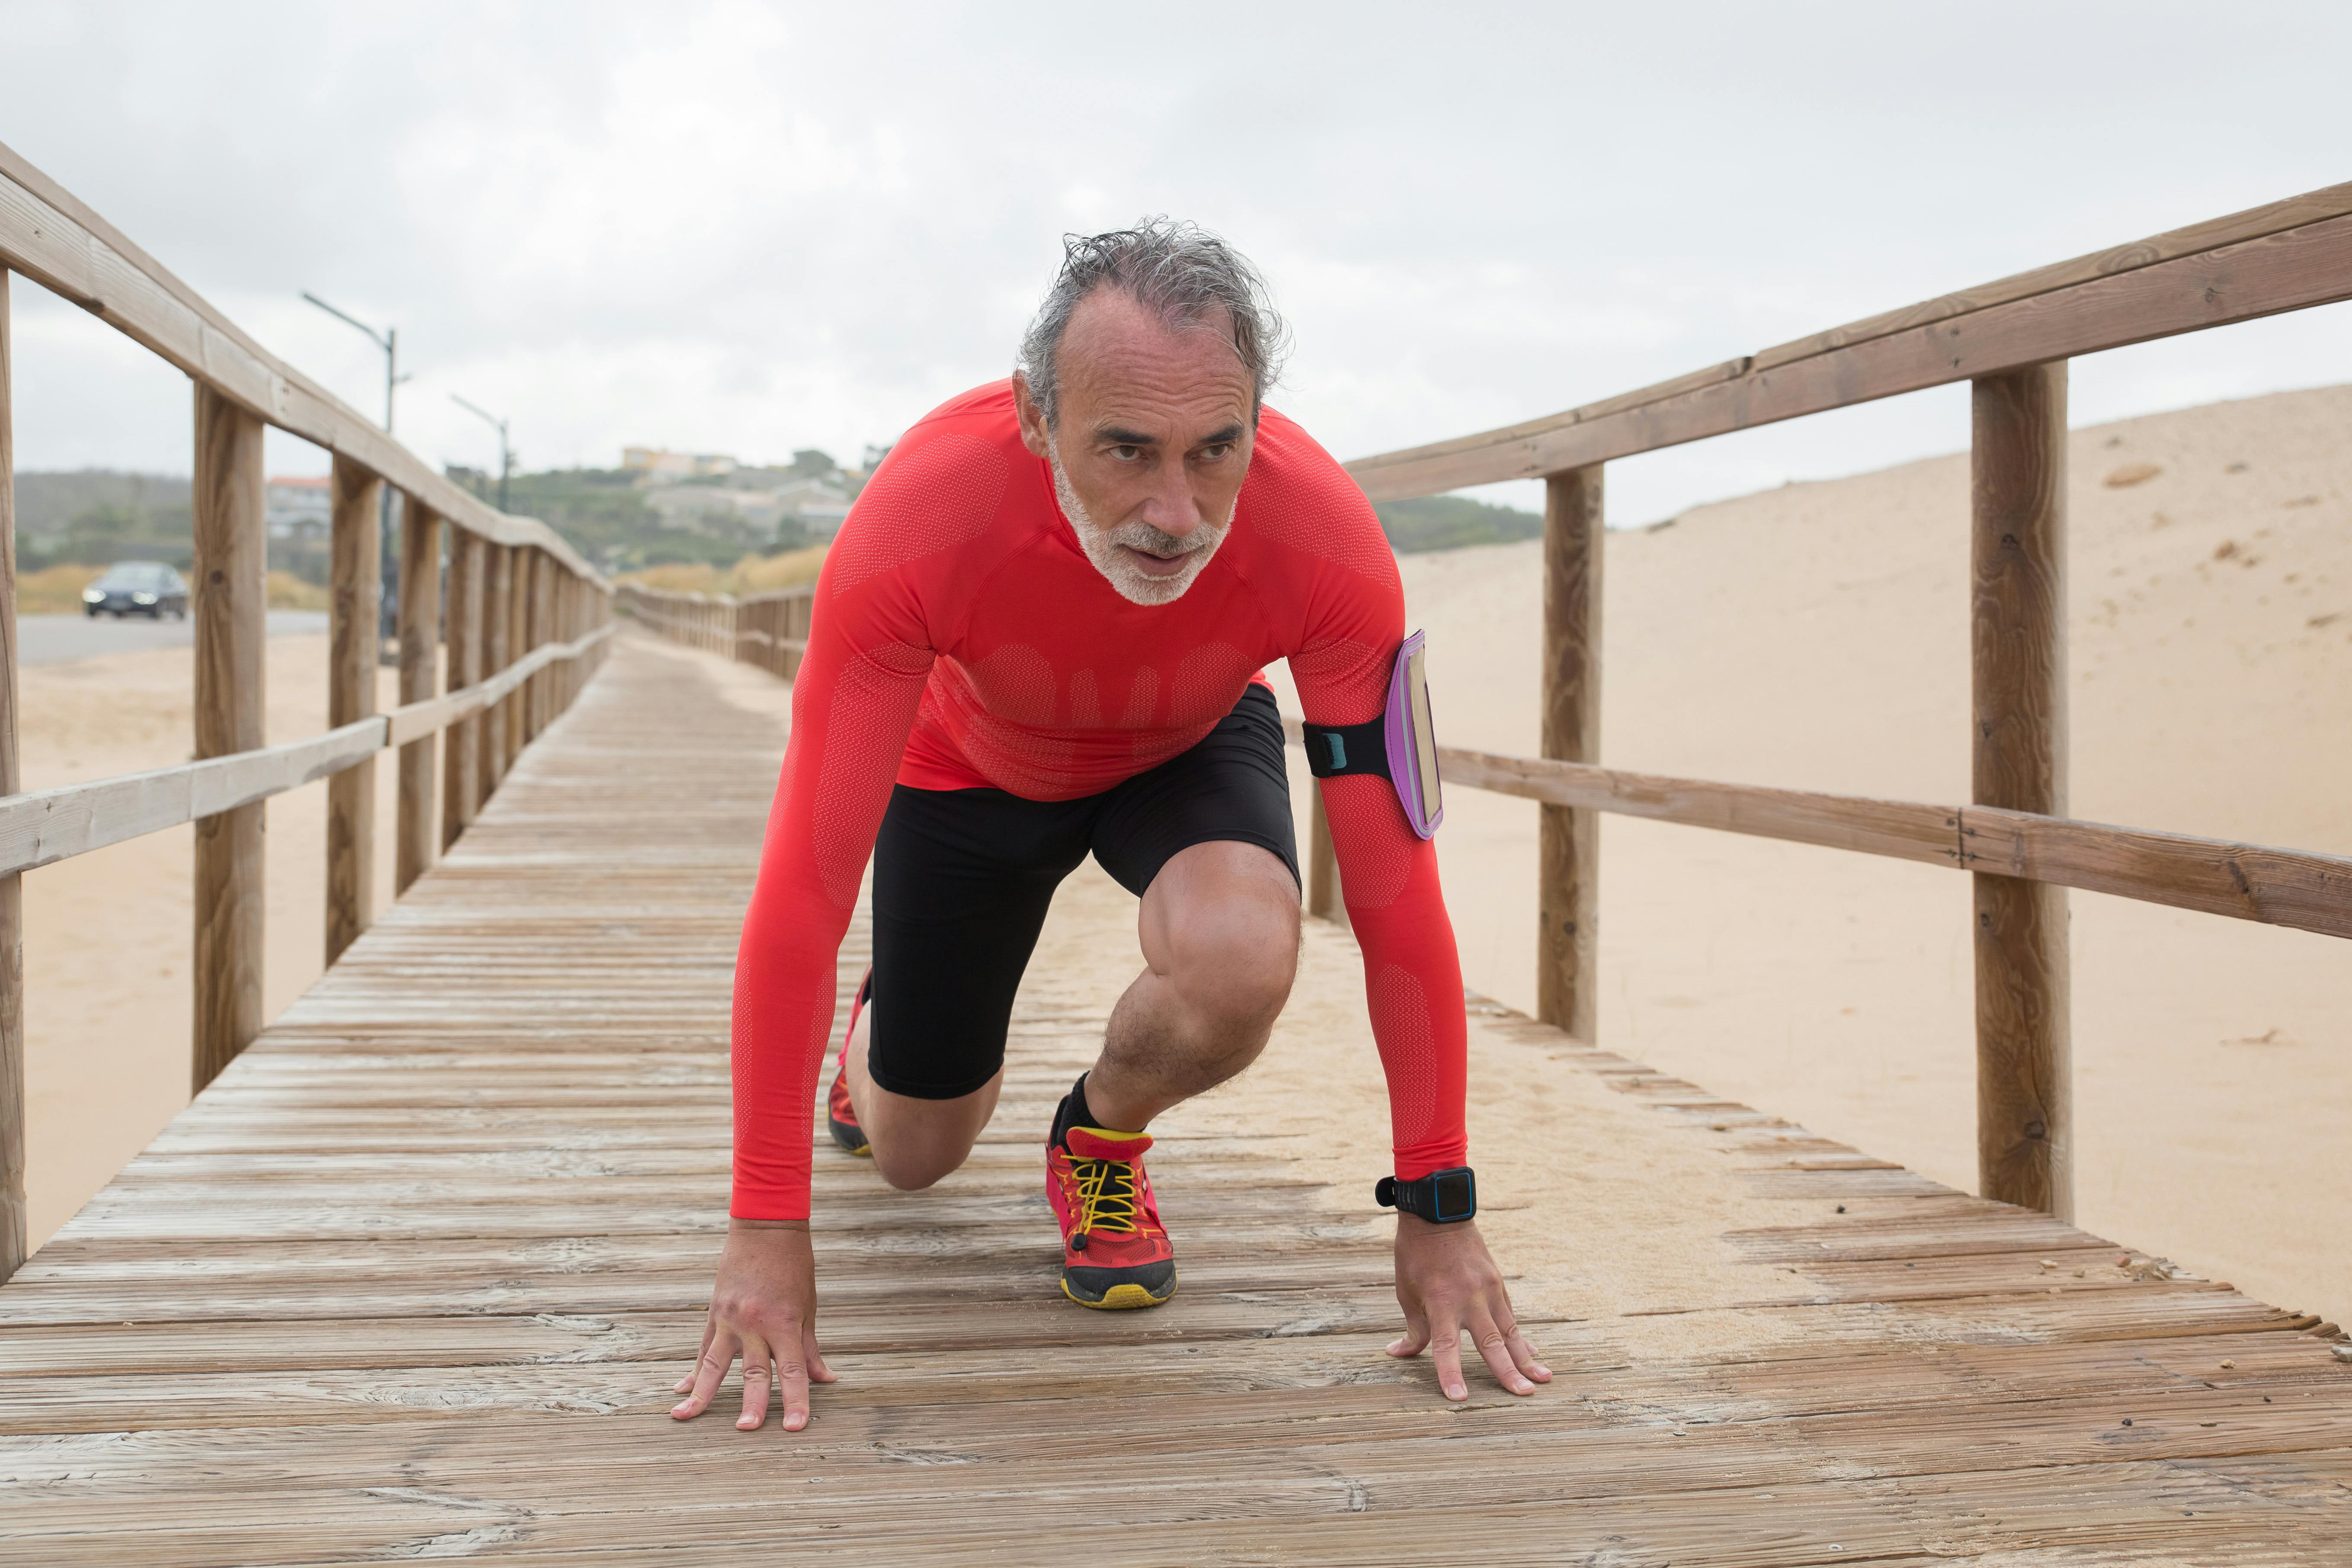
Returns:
point(1106, 1194)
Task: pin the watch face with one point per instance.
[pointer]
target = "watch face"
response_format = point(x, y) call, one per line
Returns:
point(1456, 1196)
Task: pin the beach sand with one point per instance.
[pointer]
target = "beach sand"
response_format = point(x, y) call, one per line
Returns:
point(1812, 637)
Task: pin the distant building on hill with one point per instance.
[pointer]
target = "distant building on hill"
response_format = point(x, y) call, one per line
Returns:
point(296, 508)
point(762, 506)
point(780, 505)
point(818, 506)
point(656, 463)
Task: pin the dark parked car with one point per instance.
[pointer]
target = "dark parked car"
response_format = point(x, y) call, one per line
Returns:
point(146, 588)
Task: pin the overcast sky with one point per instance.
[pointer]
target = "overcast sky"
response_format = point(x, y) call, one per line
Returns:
point(748, 228)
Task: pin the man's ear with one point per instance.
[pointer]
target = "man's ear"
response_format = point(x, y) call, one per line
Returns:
point(1033, 434)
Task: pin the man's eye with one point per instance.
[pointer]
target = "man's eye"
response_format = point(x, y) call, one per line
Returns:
point(1127, 454)
point(1213, 453)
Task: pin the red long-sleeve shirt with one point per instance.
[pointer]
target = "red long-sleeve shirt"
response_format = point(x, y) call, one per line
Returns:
point(961, 638)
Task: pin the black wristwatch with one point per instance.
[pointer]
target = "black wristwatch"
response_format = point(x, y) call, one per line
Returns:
point(1442, 1197)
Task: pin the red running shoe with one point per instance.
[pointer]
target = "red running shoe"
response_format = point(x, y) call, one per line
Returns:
point(1115, 1252)
point(839, 1114)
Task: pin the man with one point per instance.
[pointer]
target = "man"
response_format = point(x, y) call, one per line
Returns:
point(1037, 637)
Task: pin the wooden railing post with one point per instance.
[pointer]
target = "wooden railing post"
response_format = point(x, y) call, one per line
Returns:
point(420, 637)
point(543, 632)
point(497, 588)
point(566, 629)
point(461, 756)
point(2017, 639)
point(230, 603)
point(1324, 898)
point(517, 644)
point(1568, 886)
point(357, 609)
point(804, 617)
point(16, 1226)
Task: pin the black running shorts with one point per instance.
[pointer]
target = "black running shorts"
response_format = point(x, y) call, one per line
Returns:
point(962, 879)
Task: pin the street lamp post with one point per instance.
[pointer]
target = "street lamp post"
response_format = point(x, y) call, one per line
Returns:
point(389, 341)
point(506, 452)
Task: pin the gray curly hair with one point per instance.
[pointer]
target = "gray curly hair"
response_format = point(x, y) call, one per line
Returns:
point(1174, 267)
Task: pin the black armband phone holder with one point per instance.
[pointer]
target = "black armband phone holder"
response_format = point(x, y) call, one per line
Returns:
point(1400, 745)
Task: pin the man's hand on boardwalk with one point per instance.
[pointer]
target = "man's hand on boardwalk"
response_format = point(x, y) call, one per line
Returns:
point(763, 1308)
point(1446, 1281)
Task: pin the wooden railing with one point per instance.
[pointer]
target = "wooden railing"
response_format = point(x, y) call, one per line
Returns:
point(769, 630)
point(2010, 340)
point(525, 617)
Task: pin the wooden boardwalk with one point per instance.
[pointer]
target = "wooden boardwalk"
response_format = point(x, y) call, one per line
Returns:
point(413, 1278)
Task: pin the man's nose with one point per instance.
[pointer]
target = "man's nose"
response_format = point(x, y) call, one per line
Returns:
point(1170, 507)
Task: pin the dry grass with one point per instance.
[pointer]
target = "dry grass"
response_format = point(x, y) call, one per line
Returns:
point(753, 575)
point(288, 592)
point(57, 591)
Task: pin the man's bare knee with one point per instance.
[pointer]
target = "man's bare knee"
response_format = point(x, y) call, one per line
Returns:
point(1236, 973)
point(911, 1172)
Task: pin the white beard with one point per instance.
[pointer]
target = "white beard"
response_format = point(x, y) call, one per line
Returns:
point(1107, 547)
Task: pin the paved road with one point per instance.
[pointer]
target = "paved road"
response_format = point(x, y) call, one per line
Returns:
point(53, 640)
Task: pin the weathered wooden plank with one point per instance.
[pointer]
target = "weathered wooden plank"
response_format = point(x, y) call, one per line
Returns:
point(2215, 876)
point(2017, 641)
point(229, 602)
point(1899, 828)
point(2245, 881)
point(1568, 839)
point(357, 575)
point(15, 1236)
point(419, 1271)
point(42, 826)
point(420, 639)
point(39, 827)
point(498, 619)
point(461, 756)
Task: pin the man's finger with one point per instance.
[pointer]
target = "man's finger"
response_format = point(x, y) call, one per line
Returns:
point(1416, 1335)
point(710, 1326)
point(1494, 1347)
point(759, 1379)
point(796, 1373)
point(717, 1356)
point(1447, 1350)
point(1522, 1353)
point(817, 1370)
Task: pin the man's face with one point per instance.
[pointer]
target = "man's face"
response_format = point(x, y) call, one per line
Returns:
point(1153, 442)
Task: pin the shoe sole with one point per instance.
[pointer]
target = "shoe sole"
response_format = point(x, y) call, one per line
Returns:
point(1120, 1298)
point(848, 1134)
point(850, 1138)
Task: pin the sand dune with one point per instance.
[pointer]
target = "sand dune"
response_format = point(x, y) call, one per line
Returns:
point(1816, 637)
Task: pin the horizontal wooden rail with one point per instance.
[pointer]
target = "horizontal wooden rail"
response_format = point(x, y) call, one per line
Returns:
point(524, 619)
point(2251, 882)
point(759, 628)
point(2288, 256)
point(741, 634)
point(43, 826)
point(59, 243)
point(415, 720)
